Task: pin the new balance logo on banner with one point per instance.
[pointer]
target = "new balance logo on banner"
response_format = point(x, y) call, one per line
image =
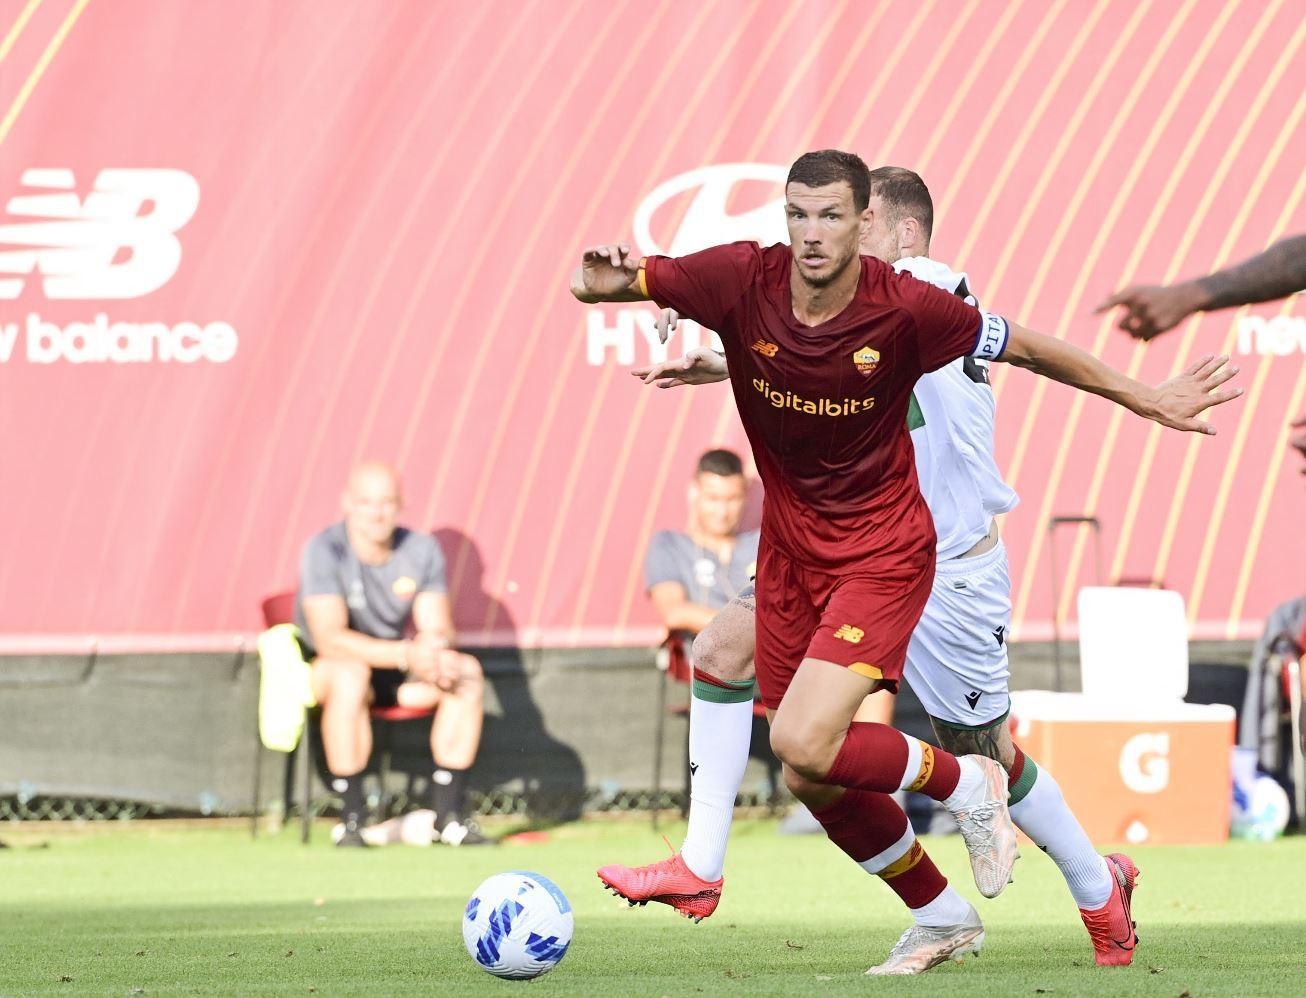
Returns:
point(118, 242)
point(101, 246)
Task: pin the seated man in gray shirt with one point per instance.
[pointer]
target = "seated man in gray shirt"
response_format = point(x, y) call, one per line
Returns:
point(374, 618)
point(690, 576)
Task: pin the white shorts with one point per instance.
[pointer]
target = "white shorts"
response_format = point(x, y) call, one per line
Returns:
point(957, 658)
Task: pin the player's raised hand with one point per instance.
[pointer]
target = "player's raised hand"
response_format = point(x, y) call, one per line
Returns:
point(666, 323)
point(1151, 309)
point(700, 366)
point(1179, 401)
point(609, 269)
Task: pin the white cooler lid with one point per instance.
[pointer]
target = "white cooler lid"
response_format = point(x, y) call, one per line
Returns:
point(1045, 705)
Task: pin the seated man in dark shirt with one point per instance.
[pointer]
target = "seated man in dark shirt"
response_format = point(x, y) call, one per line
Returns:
point(374, 617)
point(691, 575)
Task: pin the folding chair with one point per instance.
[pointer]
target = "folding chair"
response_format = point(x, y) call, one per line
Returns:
point(280, 609)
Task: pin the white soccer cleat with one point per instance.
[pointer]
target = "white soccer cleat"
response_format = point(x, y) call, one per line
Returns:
point(986, 827)
point(921, 948)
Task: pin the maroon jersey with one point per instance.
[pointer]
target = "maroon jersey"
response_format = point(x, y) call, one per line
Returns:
point(825, 406)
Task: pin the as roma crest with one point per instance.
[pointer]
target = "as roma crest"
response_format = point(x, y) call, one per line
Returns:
point(866, 359)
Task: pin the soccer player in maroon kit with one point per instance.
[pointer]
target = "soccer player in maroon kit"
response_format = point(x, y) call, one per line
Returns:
point(824, 348)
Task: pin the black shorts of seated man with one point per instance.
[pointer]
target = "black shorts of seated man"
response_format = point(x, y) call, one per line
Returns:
point(374, 616)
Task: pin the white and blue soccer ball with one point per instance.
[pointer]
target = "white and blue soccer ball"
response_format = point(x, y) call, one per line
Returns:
point(1261, 812)
point(518, 925)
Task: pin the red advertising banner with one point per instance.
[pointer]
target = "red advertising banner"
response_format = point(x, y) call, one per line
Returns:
point(244, 245)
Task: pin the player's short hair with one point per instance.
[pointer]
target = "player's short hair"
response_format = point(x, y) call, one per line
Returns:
point(829, 166)
point(720, 462)
point(904, 195)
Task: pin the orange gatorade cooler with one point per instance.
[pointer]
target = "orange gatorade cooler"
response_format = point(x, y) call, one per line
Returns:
point(1154, 773)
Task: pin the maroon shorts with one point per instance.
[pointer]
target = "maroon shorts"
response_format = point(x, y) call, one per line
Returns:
point(858, 620)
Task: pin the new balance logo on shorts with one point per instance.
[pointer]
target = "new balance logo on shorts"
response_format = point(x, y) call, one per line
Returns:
point(853, 635)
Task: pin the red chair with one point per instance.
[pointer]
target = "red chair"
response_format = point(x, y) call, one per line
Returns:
point(280, 609)
point(676, 667)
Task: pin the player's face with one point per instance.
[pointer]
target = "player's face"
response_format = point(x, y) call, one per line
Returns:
point(880, 236)
point(824, 228)
point(719, 503)
point(372, 503)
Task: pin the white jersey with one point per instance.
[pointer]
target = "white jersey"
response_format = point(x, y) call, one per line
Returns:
point(952, 428)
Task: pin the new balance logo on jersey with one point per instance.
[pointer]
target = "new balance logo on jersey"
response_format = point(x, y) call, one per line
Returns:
point(766, 349)
point(853, 635)
point(1000, 634)
point(972, 698)
point(77, 245)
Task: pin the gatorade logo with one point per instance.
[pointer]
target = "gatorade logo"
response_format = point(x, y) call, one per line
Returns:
point(1145, 763)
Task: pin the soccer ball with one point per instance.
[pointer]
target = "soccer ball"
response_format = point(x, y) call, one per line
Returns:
point(518, 925)
point(1263, 814)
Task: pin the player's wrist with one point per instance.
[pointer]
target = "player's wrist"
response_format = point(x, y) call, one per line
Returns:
point(1144, 400)
point(1199, 295)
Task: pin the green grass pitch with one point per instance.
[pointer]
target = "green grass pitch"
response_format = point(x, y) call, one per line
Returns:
point(149, 910)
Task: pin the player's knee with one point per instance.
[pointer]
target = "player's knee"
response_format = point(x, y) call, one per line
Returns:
point(722, 659)
point(797, 746)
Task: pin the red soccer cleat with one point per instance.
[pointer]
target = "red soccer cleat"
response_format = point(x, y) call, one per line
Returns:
point(1112, 927)
point(668, 882)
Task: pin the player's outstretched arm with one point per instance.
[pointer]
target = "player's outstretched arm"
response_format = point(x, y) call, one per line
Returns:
point(1175, 403)
point(607, 273)
point(1152, 309)
point(700, 366)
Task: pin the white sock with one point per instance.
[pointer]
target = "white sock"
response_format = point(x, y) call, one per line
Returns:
point(719, 736)
point(949, 908)
point(972, 777)
point(1045, 817)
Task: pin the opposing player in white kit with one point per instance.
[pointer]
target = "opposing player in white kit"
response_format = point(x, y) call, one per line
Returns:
point(957, 659)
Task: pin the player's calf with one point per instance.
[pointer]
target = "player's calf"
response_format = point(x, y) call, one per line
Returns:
point(720, 732)
point(991, 740)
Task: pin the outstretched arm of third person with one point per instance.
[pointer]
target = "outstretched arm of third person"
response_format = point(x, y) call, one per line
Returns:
point(1175, 403)
point(700, 366)
point(1151, 309)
